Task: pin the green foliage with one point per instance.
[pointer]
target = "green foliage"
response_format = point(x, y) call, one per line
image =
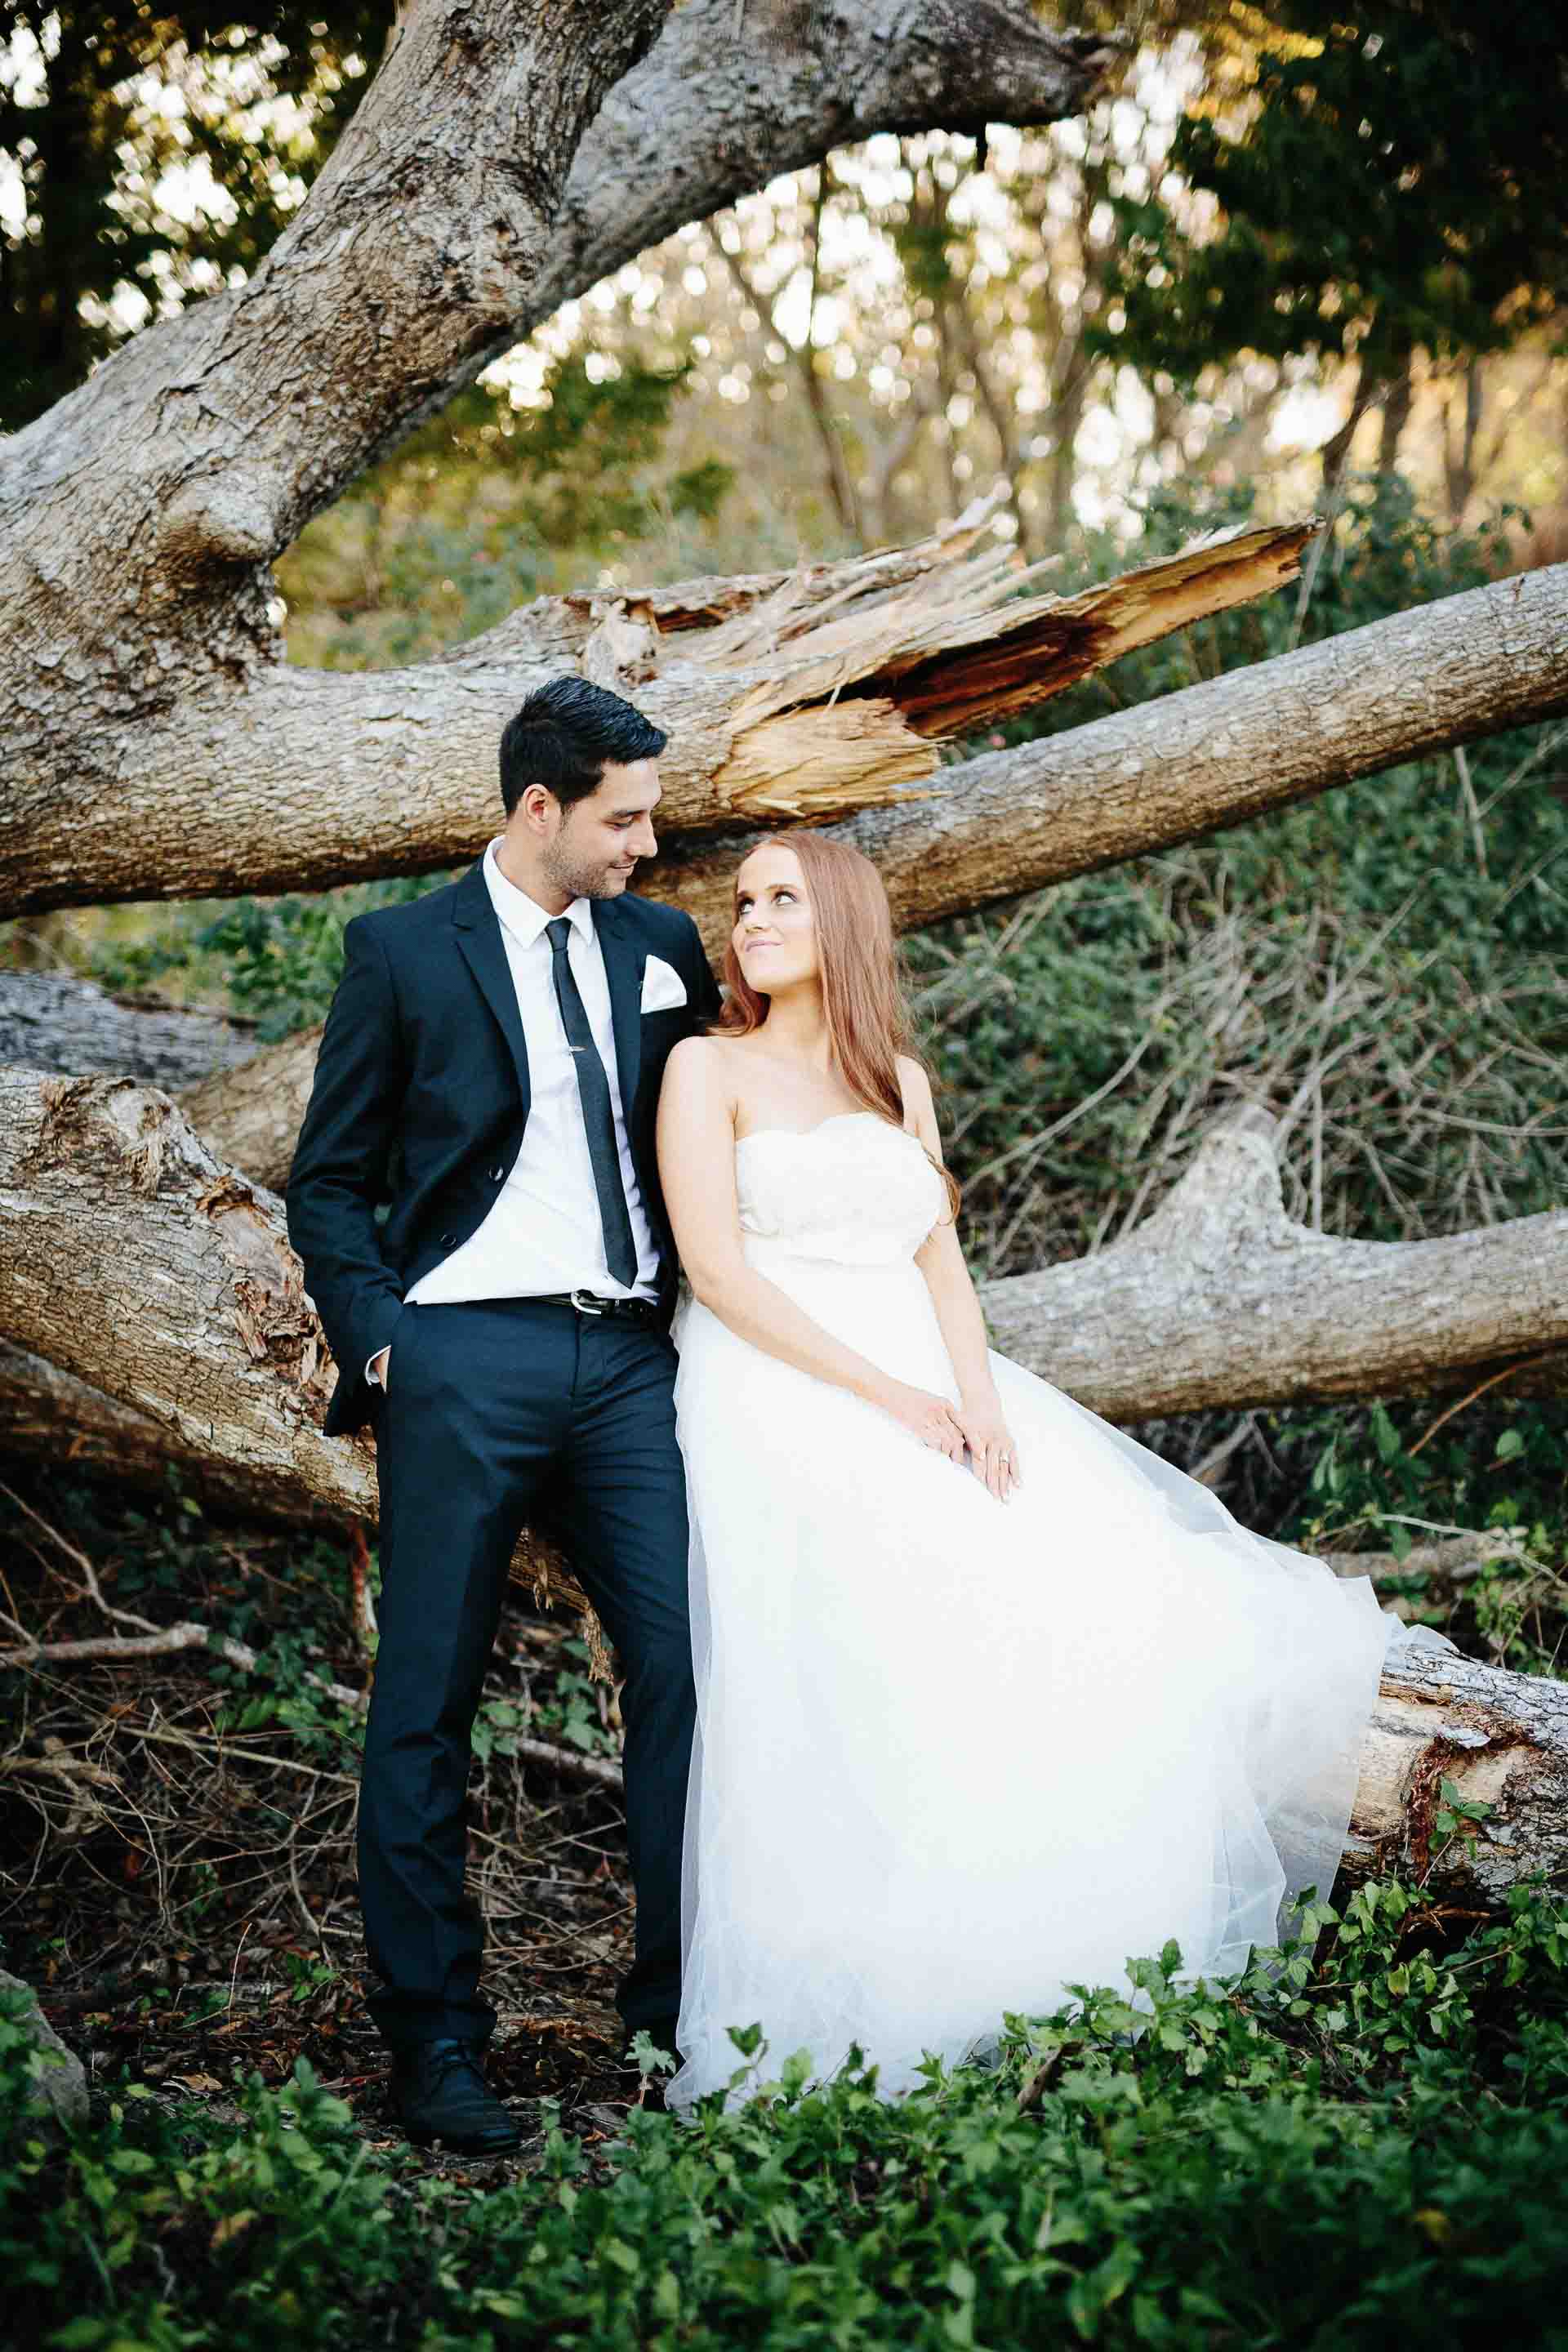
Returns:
point(474, 513)
point(1392, 953)
point(1304, 2155)
point(1391, 184)
point(1393, 1478)
point(256, 104)
point(277, 960)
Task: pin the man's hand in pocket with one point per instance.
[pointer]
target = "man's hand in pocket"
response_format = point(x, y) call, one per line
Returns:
point(379, 1364)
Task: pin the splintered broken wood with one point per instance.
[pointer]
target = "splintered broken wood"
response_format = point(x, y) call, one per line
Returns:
point(802, 695)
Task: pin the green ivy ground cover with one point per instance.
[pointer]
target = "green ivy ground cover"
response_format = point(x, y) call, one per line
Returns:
point(1369, 2149)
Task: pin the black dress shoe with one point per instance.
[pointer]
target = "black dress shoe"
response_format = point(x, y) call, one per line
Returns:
point(438, 2092)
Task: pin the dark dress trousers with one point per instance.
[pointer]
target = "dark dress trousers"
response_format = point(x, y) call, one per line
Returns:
point(497, 1413)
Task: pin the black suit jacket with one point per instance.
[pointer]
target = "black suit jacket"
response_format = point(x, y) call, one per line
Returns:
point(421, 1096)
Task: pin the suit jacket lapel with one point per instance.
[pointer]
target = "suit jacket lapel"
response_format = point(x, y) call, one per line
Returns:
point(478, 936)
point(625, 957)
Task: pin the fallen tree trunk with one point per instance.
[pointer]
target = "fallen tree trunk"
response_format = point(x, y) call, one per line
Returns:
point(136, 1261)
point(54, 1020)
point(139, 1263)
point(159, 1288)
point(1503, 1738)
point(1192, 762)
point(1146, 779)
point(1217, 1298)
point(794, 696)
point(48, 1414)
point(456, 210)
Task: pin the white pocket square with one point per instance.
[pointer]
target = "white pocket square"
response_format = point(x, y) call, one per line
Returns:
point(662, 986)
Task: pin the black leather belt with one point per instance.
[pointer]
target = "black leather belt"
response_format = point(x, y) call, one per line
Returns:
point(588, 1302)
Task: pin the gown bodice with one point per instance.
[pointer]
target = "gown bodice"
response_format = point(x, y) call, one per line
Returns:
point(855, 1189)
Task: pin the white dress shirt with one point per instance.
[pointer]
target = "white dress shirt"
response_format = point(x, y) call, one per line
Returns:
point(543, 1232)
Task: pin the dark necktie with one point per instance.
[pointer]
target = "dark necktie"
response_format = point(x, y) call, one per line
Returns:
point(598, 1112)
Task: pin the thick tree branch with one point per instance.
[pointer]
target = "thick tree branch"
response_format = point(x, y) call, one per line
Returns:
point(136, 1262)
point(53, 1021)
point(1218, 1299)
point(1210, 756)
point(137, 592)
point(823, 690)
point(1143, 780)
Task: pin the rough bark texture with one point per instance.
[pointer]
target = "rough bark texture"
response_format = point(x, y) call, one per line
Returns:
point(137, 1262)
point(1008, 821)
point(137, 591)
point(1503, 1738)
point(1218, 1299)
point(800, 695)
point(1210, 756)
point(47, 1414)
point(146, 1269)
point(52, 1020)
point(251, 1115)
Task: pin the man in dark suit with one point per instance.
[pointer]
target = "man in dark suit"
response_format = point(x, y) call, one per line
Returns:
point(490, 1074)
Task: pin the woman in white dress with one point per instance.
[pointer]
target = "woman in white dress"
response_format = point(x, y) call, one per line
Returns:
point(990, 1698)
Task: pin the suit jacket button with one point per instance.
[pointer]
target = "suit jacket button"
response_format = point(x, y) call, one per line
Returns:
point(448, 1241)
point(497, 1173)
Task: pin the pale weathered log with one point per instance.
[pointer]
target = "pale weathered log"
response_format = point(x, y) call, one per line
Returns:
point(1144, 779)
point(155, 1273)
point(50, 1415)
point(1218, 1299)
point(144, 511)
point(1502, 1740)
point(55, 1021)
point(824, 691)
point(1212, 755)
point(134, 1260)
point(251, 1115)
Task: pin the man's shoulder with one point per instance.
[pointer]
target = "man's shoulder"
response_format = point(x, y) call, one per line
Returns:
point(407, 919)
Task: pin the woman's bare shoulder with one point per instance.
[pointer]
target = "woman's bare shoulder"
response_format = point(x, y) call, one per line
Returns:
point(915, 1086)
point(705, 1063)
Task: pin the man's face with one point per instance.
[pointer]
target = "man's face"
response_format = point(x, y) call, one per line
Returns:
point(593, 850)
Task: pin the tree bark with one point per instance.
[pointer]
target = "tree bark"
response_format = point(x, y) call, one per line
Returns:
point(134, 1260)
point(137, 591)
point(1218, 1299)
point(1503, 1738)
point(53, 1021)
point(795, 695)
point(1210, 756)
point(1142, 780)
point(48, 1414)
point(161, 1282)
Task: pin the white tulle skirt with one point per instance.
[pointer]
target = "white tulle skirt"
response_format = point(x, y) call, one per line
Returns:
point(954, 1756)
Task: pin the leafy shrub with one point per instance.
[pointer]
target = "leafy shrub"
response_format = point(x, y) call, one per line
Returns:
point(1305, 2155)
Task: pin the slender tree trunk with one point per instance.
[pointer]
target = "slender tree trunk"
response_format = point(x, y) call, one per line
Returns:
point(1397, 397)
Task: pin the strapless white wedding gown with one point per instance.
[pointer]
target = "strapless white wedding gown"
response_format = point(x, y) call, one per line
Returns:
point(955, 1755)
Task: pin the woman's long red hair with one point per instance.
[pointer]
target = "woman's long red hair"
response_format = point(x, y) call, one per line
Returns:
point(862, 999)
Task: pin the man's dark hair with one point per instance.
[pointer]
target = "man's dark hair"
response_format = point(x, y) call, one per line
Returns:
point(563, 736)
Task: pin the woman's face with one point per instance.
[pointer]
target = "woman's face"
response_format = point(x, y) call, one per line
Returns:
point(774, 935)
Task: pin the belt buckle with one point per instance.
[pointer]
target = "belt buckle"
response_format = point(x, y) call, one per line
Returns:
point(586, 1303)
